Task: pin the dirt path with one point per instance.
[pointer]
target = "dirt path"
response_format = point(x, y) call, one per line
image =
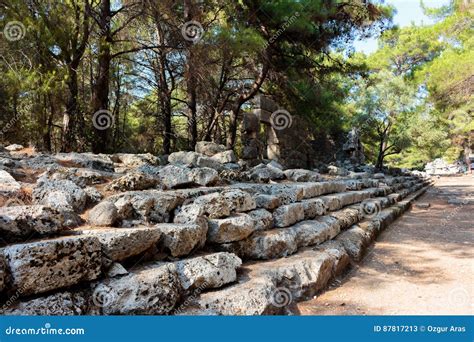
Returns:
point(422, 265)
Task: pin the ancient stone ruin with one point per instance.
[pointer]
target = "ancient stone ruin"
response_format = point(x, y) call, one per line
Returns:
point(194, 234)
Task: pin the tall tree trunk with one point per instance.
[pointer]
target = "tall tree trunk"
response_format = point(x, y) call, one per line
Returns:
point(191, 82)
point(69, 134)
point(100, 98)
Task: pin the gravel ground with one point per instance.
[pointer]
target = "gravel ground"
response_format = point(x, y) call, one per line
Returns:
point(422, 265)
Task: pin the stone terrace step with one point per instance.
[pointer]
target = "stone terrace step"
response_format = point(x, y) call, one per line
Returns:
point(280, 242)
point(152, 289)
point(269, 287)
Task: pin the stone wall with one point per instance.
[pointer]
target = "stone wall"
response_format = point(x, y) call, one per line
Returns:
point(128, 234)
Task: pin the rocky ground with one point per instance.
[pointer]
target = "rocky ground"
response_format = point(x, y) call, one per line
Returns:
point(195, 233)
point(421, 265)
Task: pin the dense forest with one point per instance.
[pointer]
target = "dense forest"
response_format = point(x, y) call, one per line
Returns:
point(159, 75)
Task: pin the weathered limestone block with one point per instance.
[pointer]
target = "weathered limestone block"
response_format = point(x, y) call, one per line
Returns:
point(348, 216)
point(225, 157)
point(135, 160)
point(209, 148)
point(152, 290)
point(100, 162)
point(121, 243)
point(150, 206)
point(313, 232)
point(204, 176)
point(338, 254)
point(264, 173)
point(187, 158)
point(302, 175)
point(205, 161)
point(173, 176)
point(331, 202)
point(313, 207)
point(270, 244)
point(211, 205)
point(103, 214)
point(182, 239)
point(133, 181)
point(289, 214)
point(59, 194)
point(41, 266)
point(8, 185)
point(22, 221)
point(354, 241)
point(58, 304)
point(238, 200)
point(232, 228)
point(247, 298)
point(267, 201)
point(208, 271)
point(263, 219)
point(287, 193)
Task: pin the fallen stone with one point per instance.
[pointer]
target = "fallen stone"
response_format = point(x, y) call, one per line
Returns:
point(103, 214)
point(8, 185)
point(186, 158)
point(46, 265)
point(302, 175)
point(14, 147)
point(135, 160)
point(204, 176)
point(422, 205)
point(116, 270)
point(89, 160)
point(209, 148)
point(60, 194)
point(225, 157)
point(133, 181)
